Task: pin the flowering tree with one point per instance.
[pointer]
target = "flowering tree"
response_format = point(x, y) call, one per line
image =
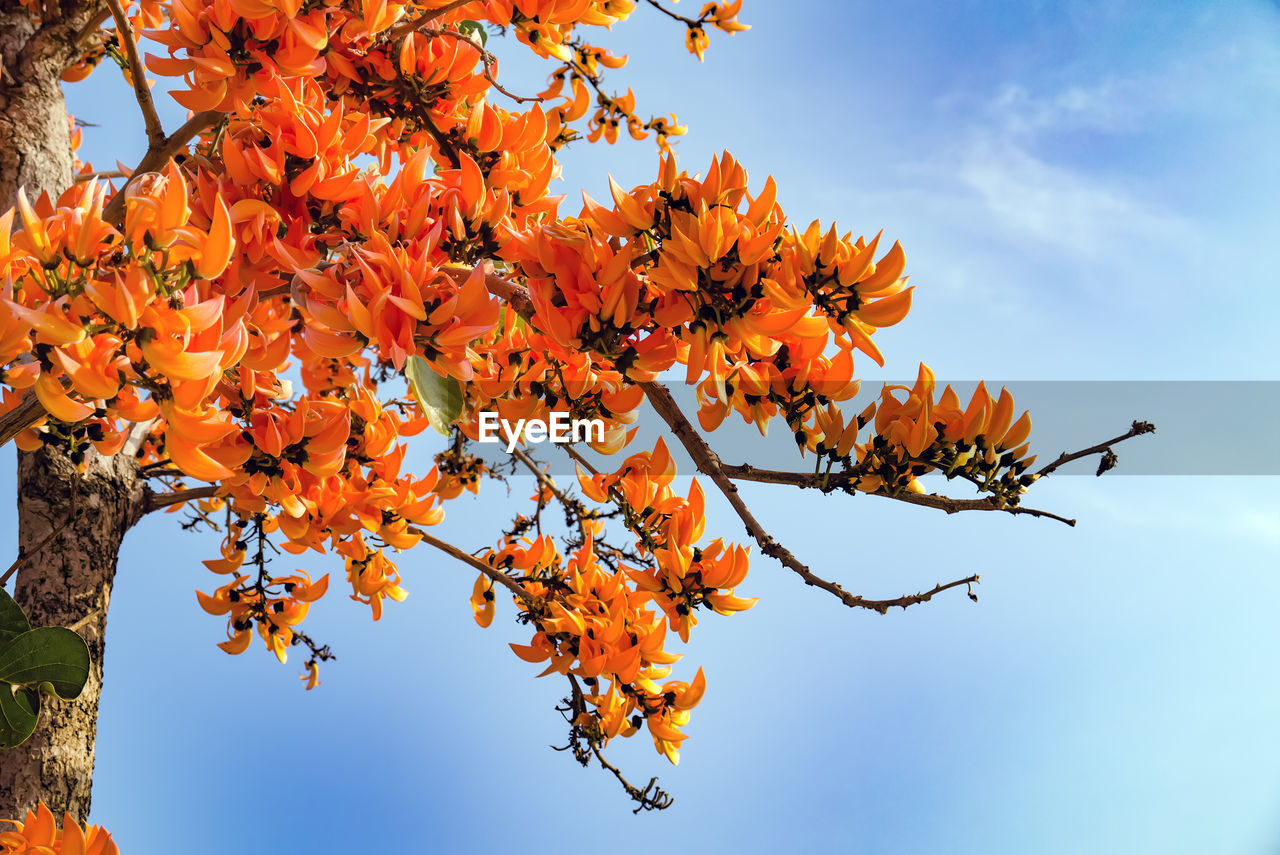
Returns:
point(251, 321)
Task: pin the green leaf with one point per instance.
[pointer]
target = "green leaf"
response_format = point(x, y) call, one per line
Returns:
point(19, 710)
point(50, 654)
point(440, 396)
point(12, 620)
point(474, 30)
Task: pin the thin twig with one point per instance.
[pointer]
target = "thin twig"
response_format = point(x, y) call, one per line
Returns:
point(577, 456)
point(80, 624)
point(137, 76)
point(91, 27)
point(496, 575)
point(489, 60)
point(572, 506)
point(543, 478)
point(709, 464)
point(664, 10)
point(652, 797)
point(24, 557)
point(1137, 429)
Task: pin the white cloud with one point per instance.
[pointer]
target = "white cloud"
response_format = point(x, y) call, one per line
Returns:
point(1030, 197)
point(1111, 106)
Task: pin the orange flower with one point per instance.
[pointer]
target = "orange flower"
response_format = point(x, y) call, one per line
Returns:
point(39, 834)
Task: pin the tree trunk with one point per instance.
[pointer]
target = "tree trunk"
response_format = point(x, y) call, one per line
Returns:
point(35, 138)
point(70, 523)
point(70, 526)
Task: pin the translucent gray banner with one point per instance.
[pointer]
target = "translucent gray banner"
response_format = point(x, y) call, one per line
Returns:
point(1202, 428)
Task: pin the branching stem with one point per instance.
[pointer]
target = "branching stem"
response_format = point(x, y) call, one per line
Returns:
point(709, 464)
point(138, 77)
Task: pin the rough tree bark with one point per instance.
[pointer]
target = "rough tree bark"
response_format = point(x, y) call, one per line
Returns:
point(80, 518)
point(70, 523)
point(35, 140)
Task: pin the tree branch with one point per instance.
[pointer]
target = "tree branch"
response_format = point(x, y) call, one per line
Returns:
point(406, 27)
point(664, 10)
point(577, 456)
point(1137, 429)
point(21, 417)
point(137, 76)
point(543, 478)
point(24, 557)
point(845, 481)
point(158, 501)
point(496, 575)
point(570, 505)
point(91, 176)
point(91, 27)
point(709, 464)
point(489, 60)
point(516, 295)
point(158, 154)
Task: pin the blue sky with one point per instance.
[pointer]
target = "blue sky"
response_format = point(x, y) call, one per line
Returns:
point(1085, 191)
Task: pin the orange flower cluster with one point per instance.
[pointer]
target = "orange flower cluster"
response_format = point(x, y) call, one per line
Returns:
point(275, 616)
point(153, 323)
point(40, 835)
point(921, 433)
point(697, 271)
point(599, 624)
point(595, 626)
point(171, 320)
point(255, 253)
point(722, 16)
point(522, 373)
point(684, 576)
point(86, 320)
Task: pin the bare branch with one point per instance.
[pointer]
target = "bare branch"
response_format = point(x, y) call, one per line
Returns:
point(577, 456)
point(1137, 429)
point(652, 797)
point(496, 575)
point(91, 26)
point(24, 557)
point(158, 155)
point(709, 464)
point(90, 176)
point(543, 478)
point(138, 76)
point(664, 10)
point(572, 506)
point(158, 501)
point(844, 481)
point(21, 417)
